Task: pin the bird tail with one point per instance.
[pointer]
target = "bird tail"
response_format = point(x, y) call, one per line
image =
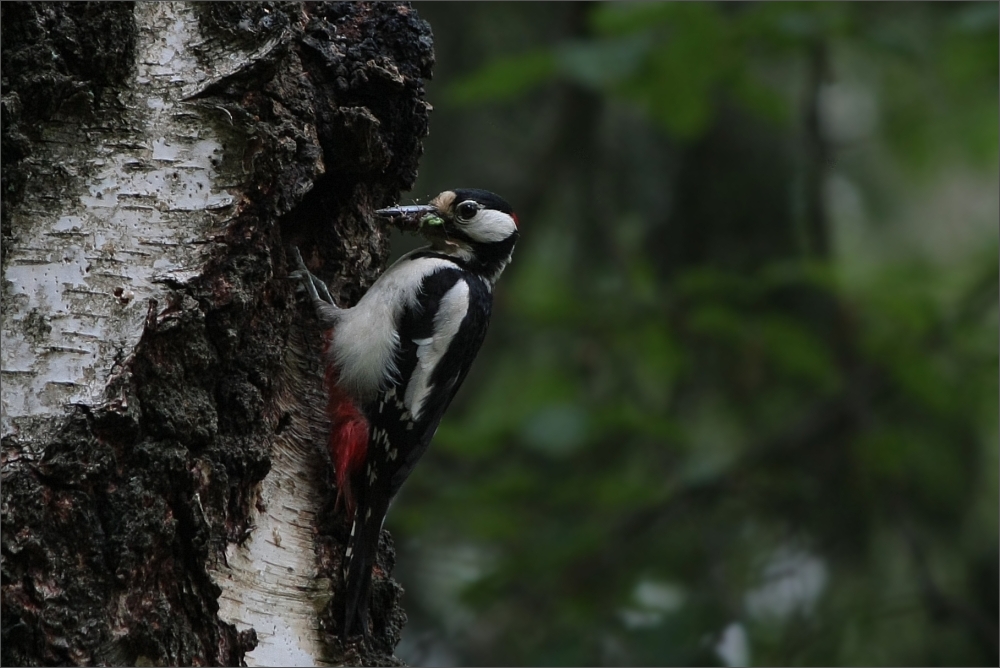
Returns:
point(362, 550)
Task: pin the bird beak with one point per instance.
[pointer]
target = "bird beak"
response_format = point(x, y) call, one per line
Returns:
point(412, 218)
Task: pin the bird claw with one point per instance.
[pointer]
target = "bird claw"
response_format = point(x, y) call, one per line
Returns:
point(317, 289)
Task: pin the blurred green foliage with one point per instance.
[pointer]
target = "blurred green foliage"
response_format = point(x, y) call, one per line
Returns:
point(688, 443)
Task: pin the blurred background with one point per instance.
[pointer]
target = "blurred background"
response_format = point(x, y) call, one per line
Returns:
point(739, 401)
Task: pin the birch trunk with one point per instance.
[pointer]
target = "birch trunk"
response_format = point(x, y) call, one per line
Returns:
point(166, 493)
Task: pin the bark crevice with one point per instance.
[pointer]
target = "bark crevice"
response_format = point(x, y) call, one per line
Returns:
point(162, 384)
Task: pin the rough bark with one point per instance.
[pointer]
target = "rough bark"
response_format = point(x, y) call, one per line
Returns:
point(166, 494)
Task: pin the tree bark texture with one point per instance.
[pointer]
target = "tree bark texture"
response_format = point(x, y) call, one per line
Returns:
point(166, 493)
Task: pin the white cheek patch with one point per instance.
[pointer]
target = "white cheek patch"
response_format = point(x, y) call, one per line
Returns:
point(447, 321)
point(489, 225)
point(365, 339)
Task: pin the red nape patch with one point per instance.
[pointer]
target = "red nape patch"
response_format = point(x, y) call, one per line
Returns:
point(348, 438)
point(517, 223)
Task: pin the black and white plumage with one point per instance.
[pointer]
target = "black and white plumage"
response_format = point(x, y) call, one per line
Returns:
point(399, 356)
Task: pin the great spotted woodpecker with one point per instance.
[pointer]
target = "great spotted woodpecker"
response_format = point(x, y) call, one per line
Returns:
point(396, 359)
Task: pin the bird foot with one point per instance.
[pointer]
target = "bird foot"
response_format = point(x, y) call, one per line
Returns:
point(314, 287)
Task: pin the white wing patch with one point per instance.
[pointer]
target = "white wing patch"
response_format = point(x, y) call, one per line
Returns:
point(365, 341)
point(451, 312)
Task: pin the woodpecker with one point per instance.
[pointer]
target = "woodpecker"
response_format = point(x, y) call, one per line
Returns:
point(395, 360)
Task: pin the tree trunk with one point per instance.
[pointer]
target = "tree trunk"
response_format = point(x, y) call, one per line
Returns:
point(166, 491)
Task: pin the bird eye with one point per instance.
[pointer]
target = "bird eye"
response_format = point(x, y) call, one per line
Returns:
point(467, 209)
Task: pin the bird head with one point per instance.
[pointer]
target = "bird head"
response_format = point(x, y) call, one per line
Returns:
point(459, 222)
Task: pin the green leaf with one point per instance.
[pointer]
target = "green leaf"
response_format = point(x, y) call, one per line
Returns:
point(557, 430)
point(603, 63)
point(503, 79)
point(798, 352)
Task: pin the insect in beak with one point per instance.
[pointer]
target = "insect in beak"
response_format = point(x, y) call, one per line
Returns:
point(412, 218)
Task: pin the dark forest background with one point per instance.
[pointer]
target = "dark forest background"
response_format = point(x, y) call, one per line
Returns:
point(738, 404)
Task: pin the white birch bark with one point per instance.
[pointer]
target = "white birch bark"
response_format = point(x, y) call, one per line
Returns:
point(270, 582)
point(113, 212)
point(108, 214)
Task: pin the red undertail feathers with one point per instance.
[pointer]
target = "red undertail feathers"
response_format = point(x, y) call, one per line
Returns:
point(348, 438)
